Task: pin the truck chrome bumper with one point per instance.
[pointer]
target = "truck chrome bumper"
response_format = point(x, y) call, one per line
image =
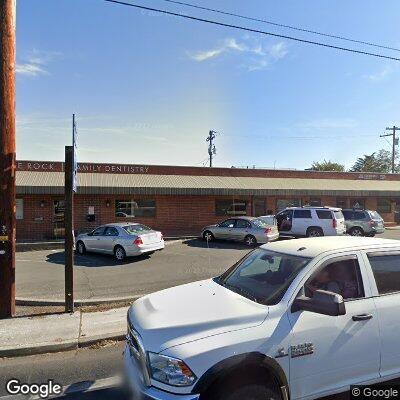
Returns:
point(141, 392)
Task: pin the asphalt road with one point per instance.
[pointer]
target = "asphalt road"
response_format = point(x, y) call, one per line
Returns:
point(75, 370)
point(40, 274)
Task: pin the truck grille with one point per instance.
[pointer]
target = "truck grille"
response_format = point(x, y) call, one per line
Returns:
point(138, 353)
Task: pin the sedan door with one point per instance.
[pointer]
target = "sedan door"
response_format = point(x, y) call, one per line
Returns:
point(328, 354)
point(225, 229)
point(110, 239)
point(92, 241)
point(241, 230)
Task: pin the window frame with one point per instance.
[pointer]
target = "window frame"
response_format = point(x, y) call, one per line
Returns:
point(326, 212)
point(380, 210)
point(380, 253)
point(231, 203)
point(137, 201)
point(96, 229)
point(302, 210)
point(332, 259)
point(248, 224)
point(109, 228)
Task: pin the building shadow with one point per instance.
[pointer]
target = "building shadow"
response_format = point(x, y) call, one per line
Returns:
point(93, 260)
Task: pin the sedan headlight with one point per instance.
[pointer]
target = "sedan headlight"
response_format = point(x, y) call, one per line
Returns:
point(171, 371)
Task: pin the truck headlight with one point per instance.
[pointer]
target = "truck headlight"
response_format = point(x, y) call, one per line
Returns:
point(169, 370)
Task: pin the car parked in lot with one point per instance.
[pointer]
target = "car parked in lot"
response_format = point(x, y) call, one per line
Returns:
point(120, 239)
point(311, 221)
point(250, 230)
point(363, 222)
point(296, 319)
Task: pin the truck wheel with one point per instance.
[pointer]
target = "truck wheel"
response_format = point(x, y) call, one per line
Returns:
point(356, 231)
point(314, 232)
point(250, 240)
point(119, 253)
point(251, 392)
point(208, 236)
point(80, 248)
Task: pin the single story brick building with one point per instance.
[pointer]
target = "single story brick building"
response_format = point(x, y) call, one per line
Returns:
point(181, 200)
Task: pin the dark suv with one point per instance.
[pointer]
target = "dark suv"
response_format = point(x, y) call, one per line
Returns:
point(363, 222)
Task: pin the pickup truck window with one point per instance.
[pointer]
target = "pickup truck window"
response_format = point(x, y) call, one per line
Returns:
point(386, 269)
point(342, 276)
point(263, 275)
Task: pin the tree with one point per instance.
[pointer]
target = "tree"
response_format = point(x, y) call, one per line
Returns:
point(380, 161)
point(326, 165)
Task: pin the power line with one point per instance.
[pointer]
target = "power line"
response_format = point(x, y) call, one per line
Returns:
point(280, 25)
point(238, 27)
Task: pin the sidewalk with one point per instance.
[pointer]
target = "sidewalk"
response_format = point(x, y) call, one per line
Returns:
point(60, 332)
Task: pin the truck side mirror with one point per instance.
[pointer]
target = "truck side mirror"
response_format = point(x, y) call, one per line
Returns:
point(323, 302)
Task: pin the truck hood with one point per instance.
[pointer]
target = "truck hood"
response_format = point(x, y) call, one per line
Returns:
point(190, 312)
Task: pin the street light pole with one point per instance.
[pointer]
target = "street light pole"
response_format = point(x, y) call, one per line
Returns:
point(7, 158)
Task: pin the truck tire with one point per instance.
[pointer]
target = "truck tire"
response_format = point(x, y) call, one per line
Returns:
point(254, 391)
point(356, 231)
point(314, 232)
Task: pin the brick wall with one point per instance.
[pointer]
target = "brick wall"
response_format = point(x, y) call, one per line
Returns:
point(174, 214)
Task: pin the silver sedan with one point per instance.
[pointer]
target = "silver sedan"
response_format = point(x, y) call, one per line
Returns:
point(121, 239)
point(250, 230)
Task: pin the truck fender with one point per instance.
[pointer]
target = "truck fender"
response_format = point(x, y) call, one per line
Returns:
point(247, 360)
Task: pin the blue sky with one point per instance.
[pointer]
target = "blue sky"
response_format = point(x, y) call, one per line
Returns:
point(147, 88)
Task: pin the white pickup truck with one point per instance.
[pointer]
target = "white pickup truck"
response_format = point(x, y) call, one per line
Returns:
point(296, 319)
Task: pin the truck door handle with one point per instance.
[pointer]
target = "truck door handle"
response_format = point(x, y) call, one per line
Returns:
point(361, 317)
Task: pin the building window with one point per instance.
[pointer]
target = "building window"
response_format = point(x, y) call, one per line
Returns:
point(315, 202)
point(19, 212)
point(230, 207)
point(341, 202)
point(283, 203)
point(135, 208)
point(358, 204)
point(58, 218)
point(259, 207)
point(384, 206)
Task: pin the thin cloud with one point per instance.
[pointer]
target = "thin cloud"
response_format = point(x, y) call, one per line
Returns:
point(261, 56)
point(328, 123)
point(35, 63)
point(380, 75)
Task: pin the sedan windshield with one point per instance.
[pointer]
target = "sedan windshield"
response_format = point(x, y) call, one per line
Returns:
point(136, 229)
point(263, 275)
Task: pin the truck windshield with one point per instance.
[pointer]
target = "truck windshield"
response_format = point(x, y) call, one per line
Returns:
point(263, 275)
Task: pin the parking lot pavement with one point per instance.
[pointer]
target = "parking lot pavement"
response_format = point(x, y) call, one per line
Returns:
point(40, 274)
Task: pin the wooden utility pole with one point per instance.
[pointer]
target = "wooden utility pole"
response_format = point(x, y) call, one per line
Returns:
point(211, 147)
point(69, 226)
point(395, 142)
point(7, 158)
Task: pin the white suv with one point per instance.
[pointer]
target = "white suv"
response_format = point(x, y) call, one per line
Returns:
point(311, 221)
point(295, 319)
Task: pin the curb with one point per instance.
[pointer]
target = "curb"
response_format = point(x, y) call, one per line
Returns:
point(84, 302)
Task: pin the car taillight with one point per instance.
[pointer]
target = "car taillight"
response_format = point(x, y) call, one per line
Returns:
point(138, 241)
point(268, 230)
point(334, 223)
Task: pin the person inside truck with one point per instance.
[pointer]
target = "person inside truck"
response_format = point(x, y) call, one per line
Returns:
point(342, 273)
point(322, 281)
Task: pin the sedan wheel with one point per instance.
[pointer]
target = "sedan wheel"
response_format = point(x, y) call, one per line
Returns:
point(119, 253)
point(356, 232)
point(81, 248)
point(250, 240)
point(208, 236)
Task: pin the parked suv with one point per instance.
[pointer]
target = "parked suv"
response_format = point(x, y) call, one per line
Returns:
point(311, 221)
point(294, 319)
point(363, 222)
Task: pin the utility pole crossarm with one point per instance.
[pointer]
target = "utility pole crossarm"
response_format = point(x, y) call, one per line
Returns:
point(211, 147)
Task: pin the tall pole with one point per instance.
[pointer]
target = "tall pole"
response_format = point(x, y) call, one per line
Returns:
point(7, 158)
point(211, 146)
point(69, 226)
point(394, 143)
